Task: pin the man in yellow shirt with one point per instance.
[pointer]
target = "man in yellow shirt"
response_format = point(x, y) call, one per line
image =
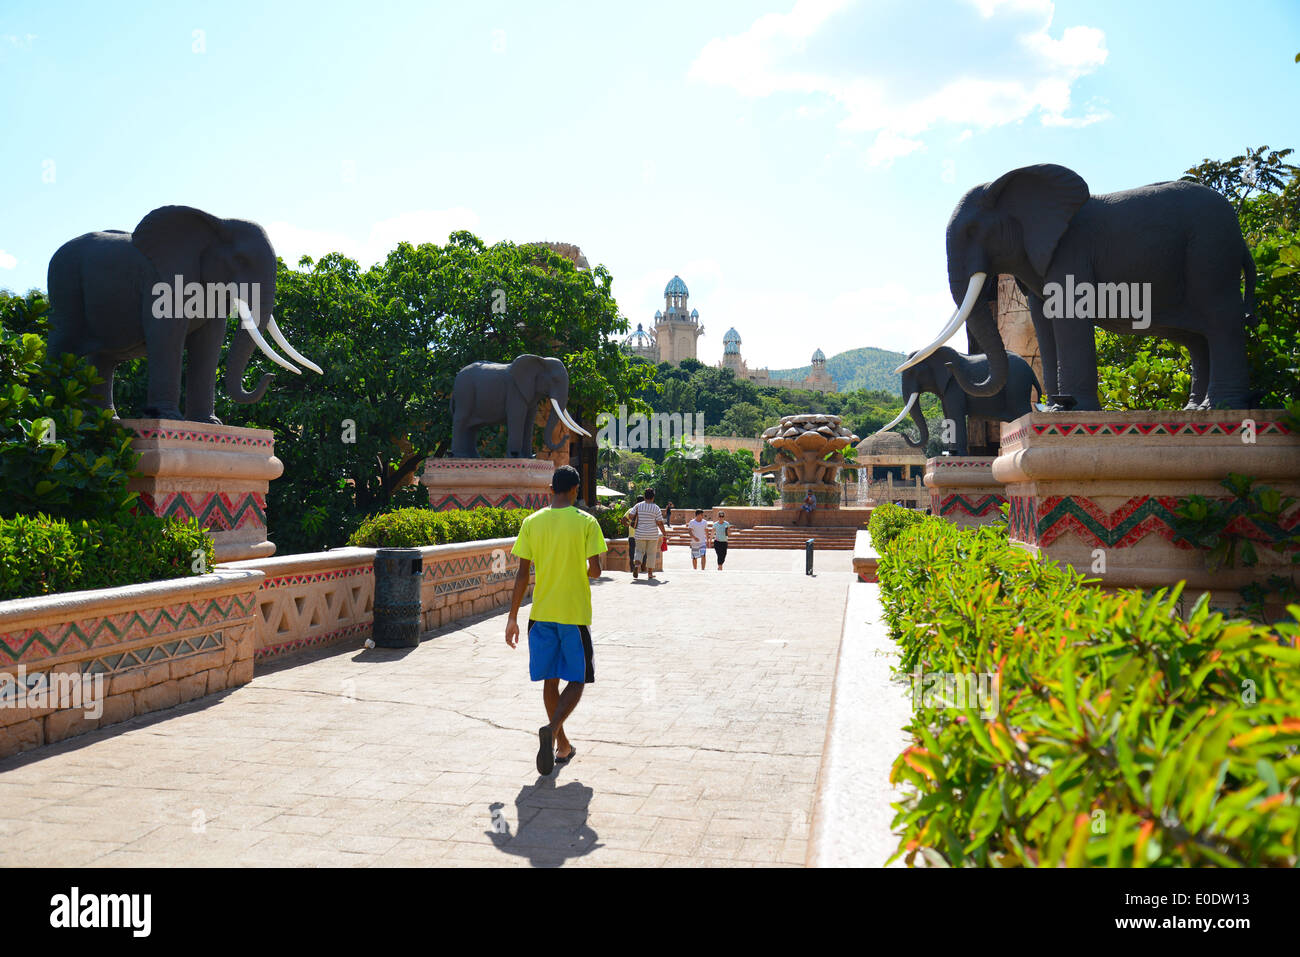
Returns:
point(560, 540)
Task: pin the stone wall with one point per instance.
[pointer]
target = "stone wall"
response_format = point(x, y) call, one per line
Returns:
point(76, 661)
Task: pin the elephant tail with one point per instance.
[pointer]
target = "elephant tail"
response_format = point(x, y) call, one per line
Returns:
point(1248, 267)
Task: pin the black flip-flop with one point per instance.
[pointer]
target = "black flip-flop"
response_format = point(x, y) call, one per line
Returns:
point(545, 750)
point(566, 760)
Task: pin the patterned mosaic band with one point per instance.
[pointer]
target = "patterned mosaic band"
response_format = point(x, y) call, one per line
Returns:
point(1041, 523)
point(34, 644)
point(977, 506)
point(222, 439)
point(217, 511)
point(1175, 428)
point(451, 502)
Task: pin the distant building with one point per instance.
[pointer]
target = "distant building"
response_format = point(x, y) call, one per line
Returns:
point(818, 380)
point(675, 329)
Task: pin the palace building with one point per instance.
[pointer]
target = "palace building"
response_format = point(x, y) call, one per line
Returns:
point(675, 332)
point(675, 329)
point(818, 380)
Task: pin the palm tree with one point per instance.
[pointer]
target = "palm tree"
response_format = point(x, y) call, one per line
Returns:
point(607, 457)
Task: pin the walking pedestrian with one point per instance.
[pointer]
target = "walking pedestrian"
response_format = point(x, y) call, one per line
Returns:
point(668, 515)
point(720, 529)
point(645, 516)
point(559, 541)
point(631, 538)
point(699, 529)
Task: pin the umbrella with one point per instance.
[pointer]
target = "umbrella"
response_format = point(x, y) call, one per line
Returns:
point(603, 492)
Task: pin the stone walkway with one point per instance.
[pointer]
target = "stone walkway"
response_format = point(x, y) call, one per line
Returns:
point(699, 744)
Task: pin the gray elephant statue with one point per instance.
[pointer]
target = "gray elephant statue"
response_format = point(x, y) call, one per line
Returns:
point(489, 393)
point(165, 290)
point(1164, 260)
point(936, 374)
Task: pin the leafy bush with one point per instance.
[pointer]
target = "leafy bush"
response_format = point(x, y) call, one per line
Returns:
point(60, 454)
point(1123, 735)
point(887, 521)
point(40, 555)
point(611, 520)
point(416, 527)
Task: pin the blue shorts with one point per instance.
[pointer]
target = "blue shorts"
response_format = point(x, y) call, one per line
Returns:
point(560, 651)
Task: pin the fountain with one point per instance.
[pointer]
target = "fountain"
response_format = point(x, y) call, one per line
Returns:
point(809, 456)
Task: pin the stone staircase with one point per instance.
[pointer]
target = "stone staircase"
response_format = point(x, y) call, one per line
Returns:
point(839, 538)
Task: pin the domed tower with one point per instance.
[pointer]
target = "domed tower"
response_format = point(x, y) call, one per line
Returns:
point(642, 343)
point(677, 327)
point(819, 379)
point(731, 353)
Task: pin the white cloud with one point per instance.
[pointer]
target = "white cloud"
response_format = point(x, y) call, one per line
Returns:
point(419, 226)
point(1030, 72)
point(7, 261)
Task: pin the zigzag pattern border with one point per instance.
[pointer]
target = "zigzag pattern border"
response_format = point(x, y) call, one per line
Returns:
point(977, 507)
point(209, 438)
point(451, 502)
point(125, 626)
point(1119, 429)
point(1043, 523)
point(214, 510)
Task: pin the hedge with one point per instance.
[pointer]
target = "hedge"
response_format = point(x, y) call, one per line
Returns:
point(415, 527)
point(40, 555)
point(1124, 735)
point(887, 521)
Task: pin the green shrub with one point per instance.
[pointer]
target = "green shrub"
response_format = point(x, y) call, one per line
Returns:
point(611, 520)
point(60, 454)
point(887, 521)
point(40, 555)
point(1123, 735)
point(416, 527)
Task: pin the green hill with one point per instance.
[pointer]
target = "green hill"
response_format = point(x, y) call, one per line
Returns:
point(865, 368)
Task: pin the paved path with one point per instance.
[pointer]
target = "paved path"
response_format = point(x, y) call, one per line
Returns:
point(699, 744)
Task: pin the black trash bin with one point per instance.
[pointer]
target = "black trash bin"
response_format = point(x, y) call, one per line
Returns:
point(398, 572)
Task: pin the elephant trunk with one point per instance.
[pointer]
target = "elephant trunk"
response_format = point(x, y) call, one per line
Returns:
point(984, 328)
point(241, 350)
point(552, 420)
point(921, 425)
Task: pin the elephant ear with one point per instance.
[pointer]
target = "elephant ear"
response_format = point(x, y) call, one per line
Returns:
point(525, 371)
point(174, 237)
point(1043, 199)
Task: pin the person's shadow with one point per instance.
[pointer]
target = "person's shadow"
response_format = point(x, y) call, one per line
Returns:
point(552, 823)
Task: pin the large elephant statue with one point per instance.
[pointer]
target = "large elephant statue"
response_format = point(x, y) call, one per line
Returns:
point(1176, 245)
point(167, 289)
point(489, 393)
point(935, 374)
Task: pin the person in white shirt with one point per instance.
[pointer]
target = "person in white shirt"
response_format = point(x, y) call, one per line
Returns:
point(700, 536)
point(642, 518)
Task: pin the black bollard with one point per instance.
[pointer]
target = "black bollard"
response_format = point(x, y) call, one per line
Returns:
point(807, 556)
point(398, 572)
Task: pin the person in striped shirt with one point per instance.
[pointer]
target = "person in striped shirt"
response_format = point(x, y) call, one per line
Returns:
point(643, 517)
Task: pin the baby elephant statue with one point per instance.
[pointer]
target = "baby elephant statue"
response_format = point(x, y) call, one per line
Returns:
point(934, 374)
point(166, 291)
point(489, 393)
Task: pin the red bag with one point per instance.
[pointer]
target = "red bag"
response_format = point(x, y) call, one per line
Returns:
point(663, 545)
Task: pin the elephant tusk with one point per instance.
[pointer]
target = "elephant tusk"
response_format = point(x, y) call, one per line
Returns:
point(906, 409)
point(568, 421)
point(963, 312)
point(249, 324)
point(274, 329)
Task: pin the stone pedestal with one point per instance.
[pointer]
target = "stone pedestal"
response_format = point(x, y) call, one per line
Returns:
point(1097, 490)
point(487, 483)
point(964, 490)
point(793, 494)
point(218, 474)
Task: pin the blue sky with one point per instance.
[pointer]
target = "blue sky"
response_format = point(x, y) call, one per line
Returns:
point(794, 162)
